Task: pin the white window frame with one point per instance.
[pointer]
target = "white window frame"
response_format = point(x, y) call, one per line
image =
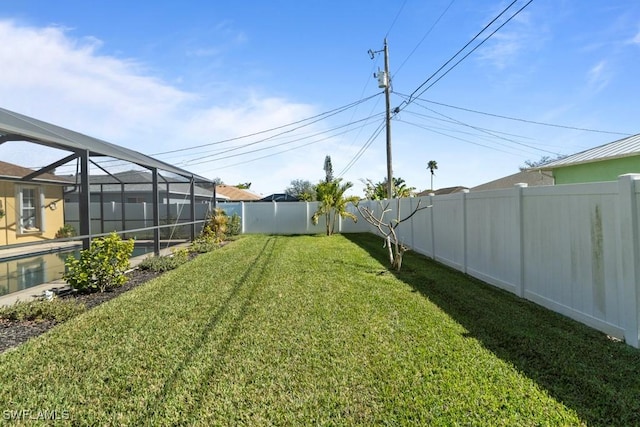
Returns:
point(38, 210)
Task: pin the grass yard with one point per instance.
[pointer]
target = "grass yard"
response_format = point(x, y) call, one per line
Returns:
point(311, 330)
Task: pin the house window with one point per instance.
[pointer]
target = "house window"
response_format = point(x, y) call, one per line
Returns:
point(135, 199)
point(30, 207)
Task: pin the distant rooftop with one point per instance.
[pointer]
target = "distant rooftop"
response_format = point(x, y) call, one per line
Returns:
point(532, 178)
point(625, 147)
point(236, 194)
point(441, 191)
point(11, 171)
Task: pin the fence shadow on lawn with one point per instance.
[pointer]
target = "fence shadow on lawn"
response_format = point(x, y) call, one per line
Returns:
point(580, 367)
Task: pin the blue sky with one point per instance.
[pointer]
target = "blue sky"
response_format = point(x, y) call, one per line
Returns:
point(164, 77)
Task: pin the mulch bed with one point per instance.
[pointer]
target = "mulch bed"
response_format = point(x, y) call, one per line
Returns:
point(14, 333)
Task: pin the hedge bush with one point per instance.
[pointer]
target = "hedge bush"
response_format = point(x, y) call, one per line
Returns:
point(100, 267)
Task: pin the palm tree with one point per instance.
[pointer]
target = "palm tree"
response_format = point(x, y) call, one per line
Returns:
point(333, 203)
point(432, 165)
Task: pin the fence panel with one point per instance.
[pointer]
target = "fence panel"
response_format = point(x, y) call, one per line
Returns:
point(292, 218)
point(449, 227)
point(571, 247)
point(347, 225)
point(493, 237)
point(259, 218)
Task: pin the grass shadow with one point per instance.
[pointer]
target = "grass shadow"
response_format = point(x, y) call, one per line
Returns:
point(256, 267)
point(579, 366)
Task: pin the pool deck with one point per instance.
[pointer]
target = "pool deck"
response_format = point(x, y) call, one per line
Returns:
point(35, 292)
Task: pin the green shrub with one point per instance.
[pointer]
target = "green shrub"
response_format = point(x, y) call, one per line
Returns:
point(216, 225)
point(102, 266)
point(204, 243)
point(57, 309)
point(235, 225)
point(65, 231)
point(160, 264)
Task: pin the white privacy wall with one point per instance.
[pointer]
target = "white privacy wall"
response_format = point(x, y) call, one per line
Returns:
point(108, 216)
point(574, 249)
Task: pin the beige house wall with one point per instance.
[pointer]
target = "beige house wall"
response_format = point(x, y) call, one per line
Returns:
point(52, 212)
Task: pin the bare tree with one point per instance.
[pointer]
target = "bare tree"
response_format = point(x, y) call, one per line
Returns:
point(388, 229)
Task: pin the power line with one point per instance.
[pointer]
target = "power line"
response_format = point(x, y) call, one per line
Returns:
point(470, 52)
point(455, 137)
point(519, 119)
point(364, 148)
point(461, 49)
point(489, 132)
point(396, 18)
point(311, 120)
point(279, 152)
point(316, 118)
point(283, 143)
point(461, 131)
point(424, 37)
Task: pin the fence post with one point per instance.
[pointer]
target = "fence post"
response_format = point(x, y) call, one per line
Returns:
point(274, 220)
point(464, 230)
point(630, 251)
point(242, 218)
point(433, 229)
point(520, 285)
point(413, 245)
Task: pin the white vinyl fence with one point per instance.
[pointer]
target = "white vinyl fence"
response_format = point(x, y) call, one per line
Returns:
point(574, 249)
point(109, 217)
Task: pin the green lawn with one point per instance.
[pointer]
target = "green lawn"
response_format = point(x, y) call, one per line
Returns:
point(310, 330)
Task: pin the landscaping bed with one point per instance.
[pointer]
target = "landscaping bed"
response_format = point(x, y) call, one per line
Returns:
point(16, 332)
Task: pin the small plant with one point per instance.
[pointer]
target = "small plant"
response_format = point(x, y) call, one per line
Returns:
point(65, 231)
point(235, 225)
point(160, 264)
point(2, 213)
point(204, 243)
point(100, 267)
point(58, 310)
point(217, 224)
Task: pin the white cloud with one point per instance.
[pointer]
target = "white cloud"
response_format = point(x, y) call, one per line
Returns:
point(598, 76)
point(505, 46)
point(52, 76)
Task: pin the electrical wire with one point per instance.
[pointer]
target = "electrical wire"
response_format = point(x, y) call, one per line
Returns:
point(470, 52)
point(489, 132)
point(311, 120)
point(519, 119)
point(364, 148)
point(286, 142)
point(424, 37)
point(461, 49)
point(315, 119)
point(455, 137)
point(396, 18)
point(279, 152)
point(425, 116)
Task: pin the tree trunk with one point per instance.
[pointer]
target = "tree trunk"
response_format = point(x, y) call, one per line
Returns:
point(390, 249)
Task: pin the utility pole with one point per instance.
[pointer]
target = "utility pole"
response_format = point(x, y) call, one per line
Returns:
point(384, 81)
point(387, 90)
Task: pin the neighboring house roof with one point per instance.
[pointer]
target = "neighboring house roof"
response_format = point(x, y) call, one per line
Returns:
point(441, 191)
point(15, 172)
point(280, 197)
point(532, 178)
point(625, 147)
point(236, 194)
